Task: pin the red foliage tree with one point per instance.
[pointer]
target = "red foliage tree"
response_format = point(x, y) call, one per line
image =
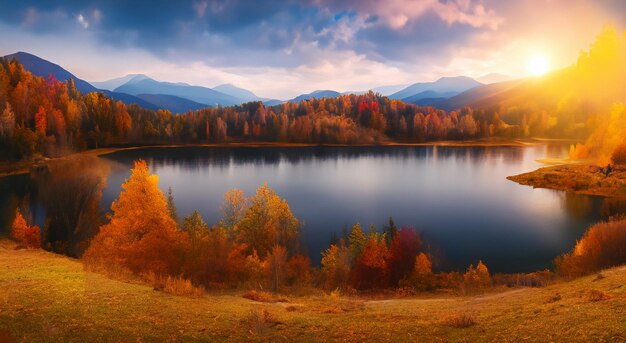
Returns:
point(371, 269)
point(40, 121)
point(403, 251)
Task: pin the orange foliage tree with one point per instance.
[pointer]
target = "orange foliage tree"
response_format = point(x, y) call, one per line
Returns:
point(141, 236)
point(477, 277)
point(27, 236)
point(371, 269)
point(602, 246)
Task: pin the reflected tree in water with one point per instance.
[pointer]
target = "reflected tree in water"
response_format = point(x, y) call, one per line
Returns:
point(71, 190)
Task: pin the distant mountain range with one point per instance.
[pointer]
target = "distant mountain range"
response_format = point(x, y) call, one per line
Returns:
point(447, 93)
point(445, 85)
point(144, 91)
point(316, 95)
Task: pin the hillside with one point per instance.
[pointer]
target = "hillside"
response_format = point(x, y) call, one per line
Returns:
point(47, 297)
point(316, 95)
point(40, 67)
point(445, 85)
point(173, 103)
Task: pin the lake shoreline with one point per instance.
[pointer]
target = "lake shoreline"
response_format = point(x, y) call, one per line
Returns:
point(24, 167)
point(579, 178)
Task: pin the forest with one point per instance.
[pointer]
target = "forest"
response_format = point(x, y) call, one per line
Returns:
point(48, 117)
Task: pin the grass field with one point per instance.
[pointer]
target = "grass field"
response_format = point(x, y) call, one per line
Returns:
point(47, 297)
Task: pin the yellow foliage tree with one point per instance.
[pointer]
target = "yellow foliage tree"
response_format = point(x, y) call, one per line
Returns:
point(267, 222)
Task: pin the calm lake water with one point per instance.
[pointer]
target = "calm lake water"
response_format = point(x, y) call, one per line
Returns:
point(457, 197)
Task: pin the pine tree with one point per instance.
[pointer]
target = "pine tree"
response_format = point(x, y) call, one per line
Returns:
point(171, 206)
point(357, 241)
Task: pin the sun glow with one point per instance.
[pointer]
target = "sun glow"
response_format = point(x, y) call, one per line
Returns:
point(538, 65)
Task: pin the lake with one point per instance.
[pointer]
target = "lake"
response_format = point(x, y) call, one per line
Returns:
point(457, 197)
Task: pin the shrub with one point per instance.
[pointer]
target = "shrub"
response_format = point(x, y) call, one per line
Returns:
point(619, 154)
point(597, 295)
point(260, 320)
point(27, 236)
point(556, 297)
point(264, 297)
point(172, 285)
point(299, 270)
point(477, 277)
point(535, 279)
point(181, 286)
point(459, 321)
point(601, 247)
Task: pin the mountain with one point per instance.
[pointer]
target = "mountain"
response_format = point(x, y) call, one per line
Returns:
point(415, 99)
point(114, 83)
point(316, 95)
point(43, 68)
point(129, 99)
point(493, 78)
point(273, 102)
point(170, 102)
point(40, 67)
point(484, 95)
point(203, 95)
point(443, 85)
point(240, 93)
point(388, 90)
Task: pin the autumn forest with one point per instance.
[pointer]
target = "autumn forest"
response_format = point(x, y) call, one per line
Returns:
point(489, 208)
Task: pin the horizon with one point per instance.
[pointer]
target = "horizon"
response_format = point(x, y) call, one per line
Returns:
point(280, 51)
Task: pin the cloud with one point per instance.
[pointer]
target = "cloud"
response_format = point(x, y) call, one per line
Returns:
point(200, 8)
point(291, 46)
point(397, 13)
point(82, 21)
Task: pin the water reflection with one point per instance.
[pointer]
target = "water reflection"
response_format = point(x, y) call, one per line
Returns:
point(457, 196)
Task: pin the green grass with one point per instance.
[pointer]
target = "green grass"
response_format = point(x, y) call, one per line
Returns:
point(47, 297)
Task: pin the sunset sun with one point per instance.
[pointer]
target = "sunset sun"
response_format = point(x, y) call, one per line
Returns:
point(538, 65)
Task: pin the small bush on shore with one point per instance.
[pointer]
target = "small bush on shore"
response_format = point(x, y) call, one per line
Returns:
point(601, 247)
point(28, 237)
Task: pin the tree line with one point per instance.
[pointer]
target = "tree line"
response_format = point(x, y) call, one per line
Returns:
point(49, 117)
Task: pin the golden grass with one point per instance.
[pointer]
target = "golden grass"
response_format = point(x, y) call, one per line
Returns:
point(577, 178)
point(459, 320)
point(265, 297)
point(47, 297)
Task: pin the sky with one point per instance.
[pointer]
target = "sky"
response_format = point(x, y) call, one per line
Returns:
point(280, 49)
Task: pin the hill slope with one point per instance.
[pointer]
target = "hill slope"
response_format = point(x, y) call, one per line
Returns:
point(47, 297)
point(242, 94)
point(173, 103)
point(316, 95)
point(454, 85)
point(43, 68)
point(40, 67)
